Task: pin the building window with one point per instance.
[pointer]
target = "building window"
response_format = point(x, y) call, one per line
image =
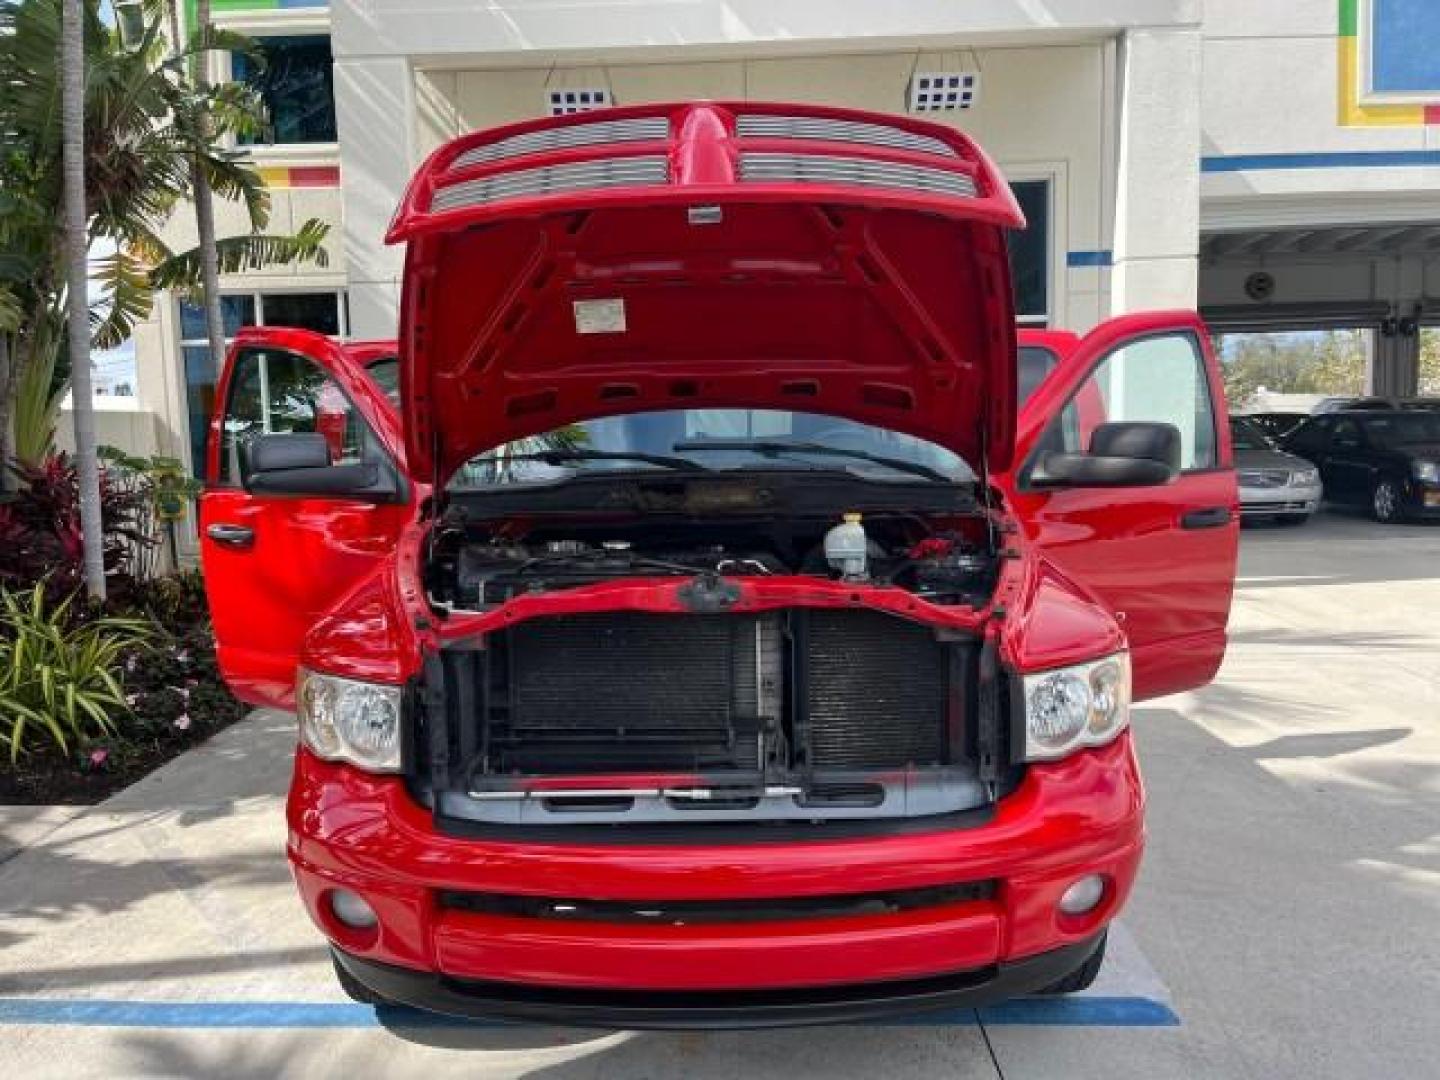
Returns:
point(297, 84)
point(323, 312)
point(1030, 253)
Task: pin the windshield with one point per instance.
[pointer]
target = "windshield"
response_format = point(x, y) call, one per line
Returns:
point(1403, 429)
point(1246, 435)
point(715, 440)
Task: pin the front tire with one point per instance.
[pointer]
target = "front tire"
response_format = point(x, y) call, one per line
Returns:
point(1387, 502)
point(1082, 977)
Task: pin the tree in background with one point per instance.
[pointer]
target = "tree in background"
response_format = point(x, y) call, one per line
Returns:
point(1430, 362)
point(148, 126)
point(77, 252)
point(1327, 362)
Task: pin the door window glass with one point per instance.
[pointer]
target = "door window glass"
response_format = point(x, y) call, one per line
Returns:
point(1347, 435)
point(1159, 379)
point(1308, 438)
point(322, 312)
point(1035, 364)
point(275, 391)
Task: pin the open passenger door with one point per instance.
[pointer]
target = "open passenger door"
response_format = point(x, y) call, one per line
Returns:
point(274, 562)
point(1162, 556)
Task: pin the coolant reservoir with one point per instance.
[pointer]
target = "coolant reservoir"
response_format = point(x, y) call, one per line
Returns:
point(845, 546)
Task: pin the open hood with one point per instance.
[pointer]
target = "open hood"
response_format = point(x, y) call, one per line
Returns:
point(742, 255)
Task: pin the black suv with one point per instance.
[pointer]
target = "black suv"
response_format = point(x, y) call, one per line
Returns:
point(1387, 460)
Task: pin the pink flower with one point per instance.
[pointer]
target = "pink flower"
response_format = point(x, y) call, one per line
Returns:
point(183, 721)
point(183, 691)
point(182, 656)
point(98, 757)
point(131, 664)
point(131, 699)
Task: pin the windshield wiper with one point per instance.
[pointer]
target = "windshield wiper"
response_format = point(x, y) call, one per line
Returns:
point(771, 448)
point(561, 457)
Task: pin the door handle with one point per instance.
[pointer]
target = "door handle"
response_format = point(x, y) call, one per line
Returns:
point(233, 536)
point(1212, 517)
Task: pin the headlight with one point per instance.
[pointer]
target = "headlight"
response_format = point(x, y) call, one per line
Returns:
point(1084, 705)
point(1305, 477)
point(1428, 471)
point(347, 720)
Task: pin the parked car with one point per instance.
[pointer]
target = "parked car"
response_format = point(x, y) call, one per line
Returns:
point(1352, 404)
point(764, 664)
point(1272, 483)
point(1276, 425)
point(1386, 461)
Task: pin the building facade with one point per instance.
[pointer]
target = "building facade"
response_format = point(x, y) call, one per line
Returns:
point(1278, 164)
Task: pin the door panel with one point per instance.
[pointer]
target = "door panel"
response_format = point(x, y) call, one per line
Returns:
point(273, 565)
point(1344, 471)
point(1162, 558)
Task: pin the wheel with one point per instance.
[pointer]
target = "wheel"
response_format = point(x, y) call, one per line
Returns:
point(354, 988)
point(1081, 977)
point(1292, 519)
point(1385, 502)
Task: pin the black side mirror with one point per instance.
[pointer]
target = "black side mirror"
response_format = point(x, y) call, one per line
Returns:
point(1130, 454)
point(298, 464)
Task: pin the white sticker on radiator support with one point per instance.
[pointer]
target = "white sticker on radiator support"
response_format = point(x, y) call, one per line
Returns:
point(599, 316)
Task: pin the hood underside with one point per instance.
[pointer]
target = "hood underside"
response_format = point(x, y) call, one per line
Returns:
point(863, 280)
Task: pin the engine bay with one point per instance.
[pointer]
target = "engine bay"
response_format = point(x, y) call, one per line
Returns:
point(475, 568)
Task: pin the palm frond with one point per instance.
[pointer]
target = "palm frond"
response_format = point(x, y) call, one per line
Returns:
point(126, 298)
point(241, 253)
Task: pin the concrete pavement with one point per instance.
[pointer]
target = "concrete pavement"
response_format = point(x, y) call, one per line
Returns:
point(1287, 910)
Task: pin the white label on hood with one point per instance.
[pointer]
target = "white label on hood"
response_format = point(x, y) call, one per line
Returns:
point(599, 316)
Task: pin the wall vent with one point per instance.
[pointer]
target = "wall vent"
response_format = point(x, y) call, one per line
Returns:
point(576, 99)
point(943, 91)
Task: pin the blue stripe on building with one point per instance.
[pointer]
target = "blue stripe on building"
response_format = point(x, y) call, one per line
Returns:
point(1353, 159)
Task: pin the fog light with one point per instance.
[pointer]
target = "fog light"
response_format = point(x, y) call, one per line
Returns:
point(1083, 896)
point(355, 912)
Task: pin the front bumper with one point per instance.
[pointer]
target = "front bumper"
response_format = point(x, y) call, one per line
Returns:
point(715, 1009)
point(1422, 499)
point(1268, 501)
point(1067, 819)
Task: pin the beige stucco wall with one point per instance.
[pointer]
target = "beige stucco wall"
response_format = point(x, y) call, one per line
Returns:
point(1043, 113)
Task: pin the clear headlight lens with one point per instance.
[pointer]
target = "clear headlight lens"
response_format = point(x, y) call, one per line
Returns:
point(1307, 477)
point(1428, 471)
point(349, 720)
point(1068, 708)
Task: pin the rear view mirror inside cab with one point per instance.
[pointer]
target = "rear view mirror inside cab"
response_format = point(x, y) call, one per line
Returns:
point(1128, 454)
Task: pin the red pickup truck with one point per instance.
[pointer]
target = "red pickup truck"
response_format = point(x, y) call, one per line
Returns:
point(688, 624)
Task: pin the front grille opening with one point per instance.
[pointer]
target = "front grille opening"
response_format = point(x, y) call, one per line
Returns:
point(844, 795)
point(798, 716)
point(595, 804)
point(728, 910)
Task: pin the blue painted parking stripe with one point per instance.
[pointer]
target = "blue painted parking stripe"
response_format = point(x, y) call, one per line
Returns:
point(20, 1012)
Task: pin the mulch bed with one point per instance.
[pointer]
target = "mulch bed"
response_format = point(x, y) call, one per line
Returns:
point(177, 701)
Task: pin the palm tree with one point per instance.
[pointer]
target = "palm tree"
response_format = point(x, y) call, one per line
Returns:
point(205, 206)
point(77, 255)
point(148, 127)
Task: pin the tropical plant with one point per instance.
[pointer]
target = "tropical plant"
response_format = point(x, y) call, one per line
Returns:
point(161, 490)
point(58, 674)
point(40, 530)
point(38, 394)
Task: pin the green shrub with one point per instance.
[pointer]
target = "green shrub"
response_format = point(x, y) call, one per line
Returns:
point(59, 676)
